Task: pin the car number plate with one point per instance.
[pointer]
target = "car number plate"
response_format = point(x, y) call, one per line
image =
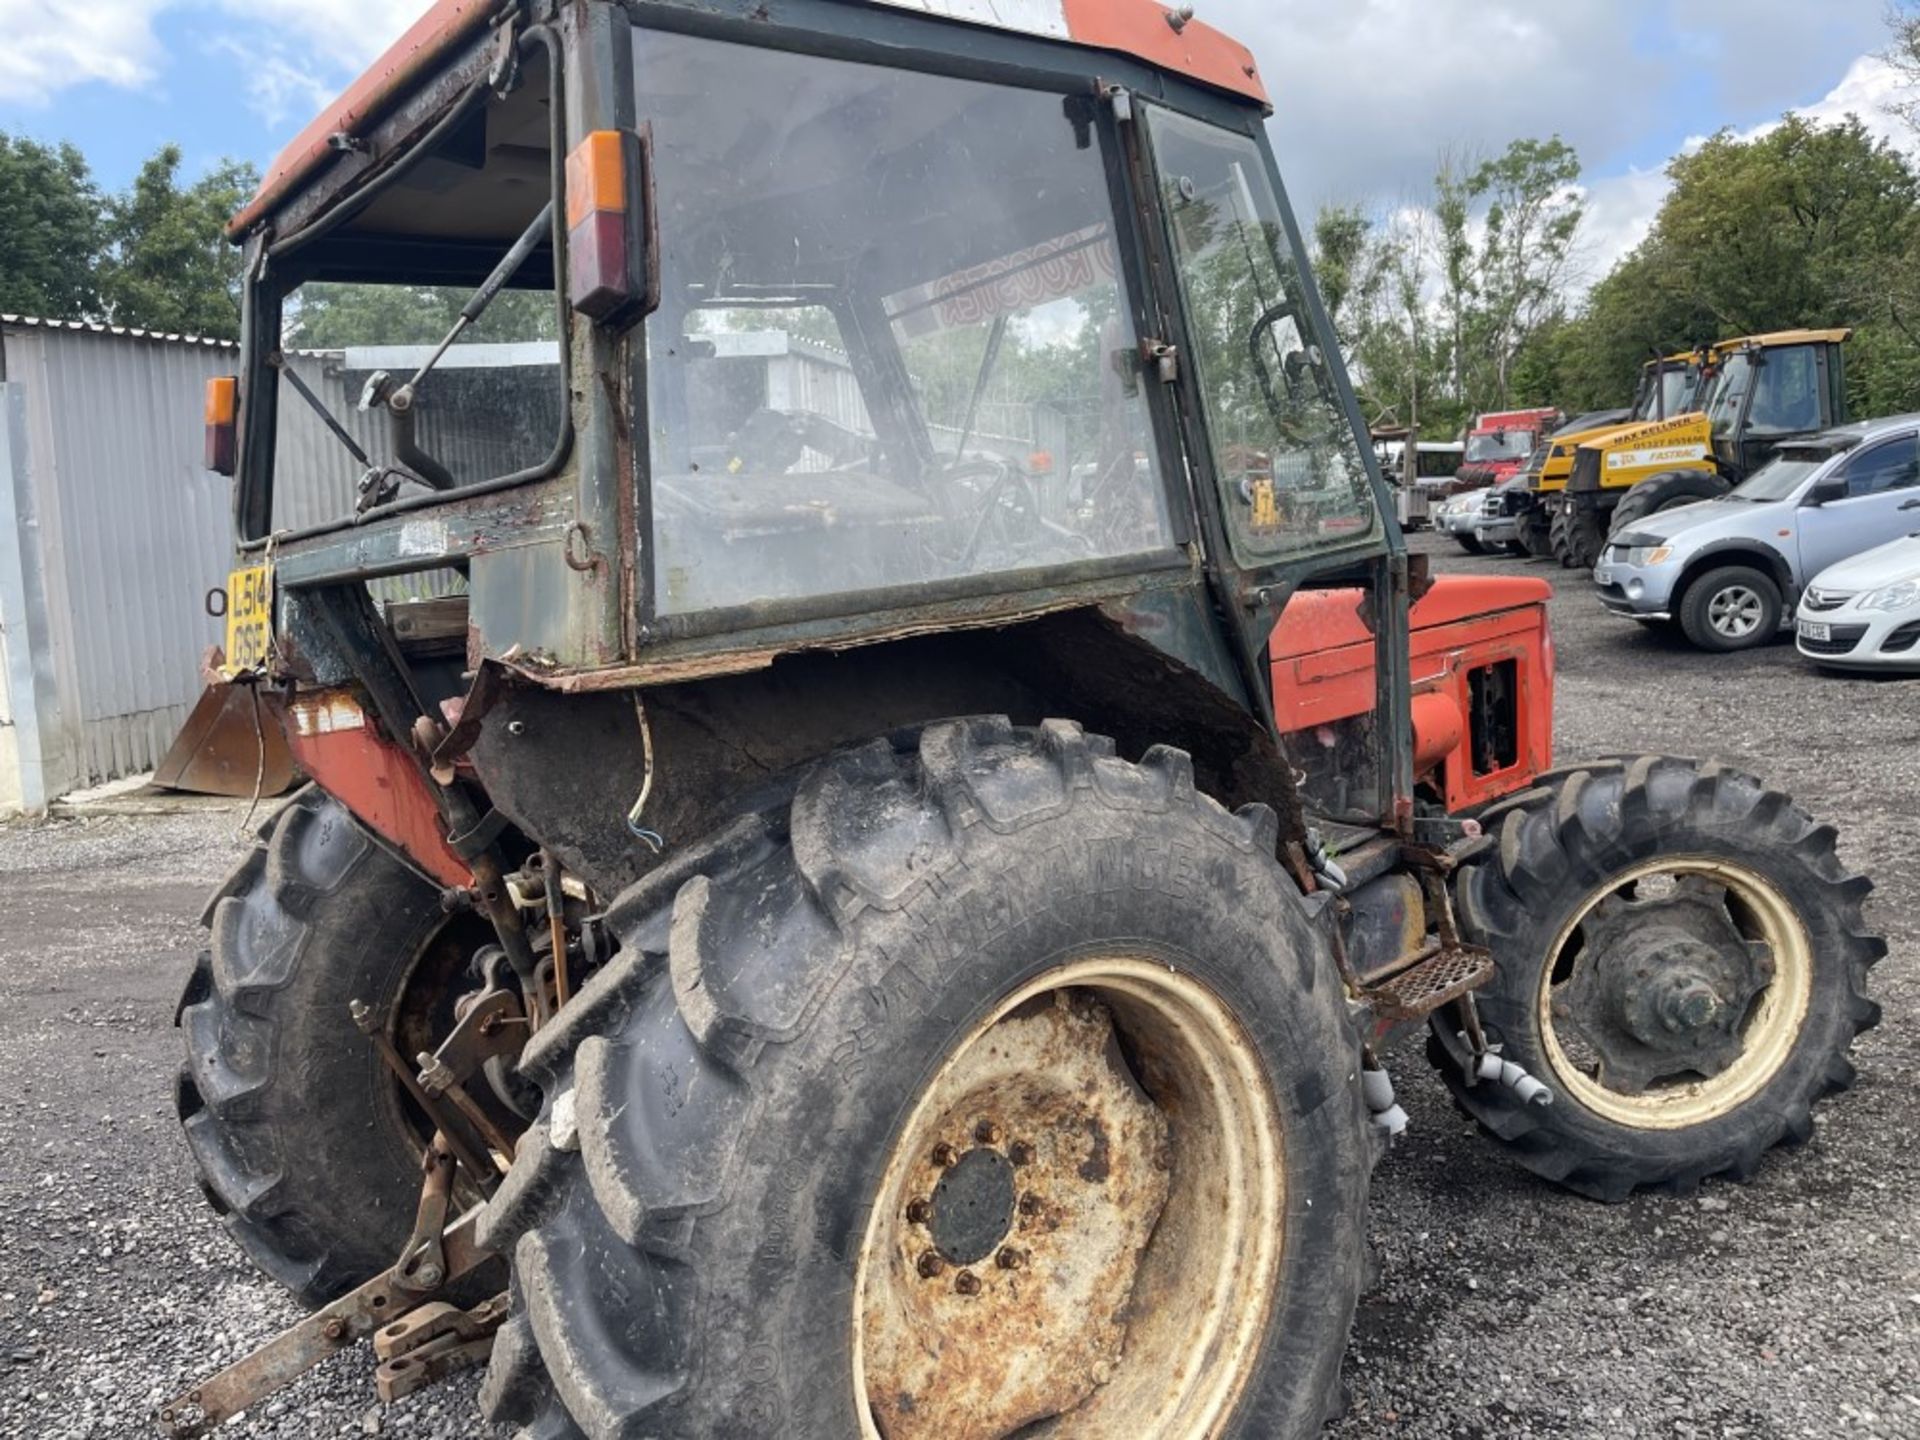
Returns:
point(249, 619)
point(1815, 630)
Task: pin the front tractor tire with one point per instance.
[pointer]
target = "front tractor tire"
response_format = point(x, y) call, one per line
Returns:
point(295, 1125)
point(990, 1079)
point(1680, 957)
point(1667, 491)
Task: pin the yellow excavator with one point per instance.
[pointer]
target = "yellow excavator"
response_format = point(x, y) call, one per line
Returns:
point(1762, 391)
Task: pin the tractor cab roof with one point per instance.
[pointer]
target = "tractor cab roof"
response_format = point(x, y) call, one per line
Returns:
point(1776, 338)
point(1140, 29)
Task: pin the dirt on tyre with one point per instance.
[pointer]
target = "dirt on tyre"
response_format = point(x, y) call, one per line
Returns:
point(993, 1079)
point(297, 1129)
point(1735, 607)
point(1682, 960)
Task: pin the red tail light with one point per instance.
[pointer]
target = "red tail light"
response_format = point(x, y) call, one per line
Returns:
point(609, 254)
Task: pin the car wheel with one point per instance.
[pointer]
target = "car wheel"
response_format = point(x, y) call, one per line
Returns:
point(1733, 608)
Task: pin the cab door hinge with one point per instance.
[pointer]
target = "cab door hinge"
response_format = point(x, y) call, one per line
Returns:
point(1163, 358)
point(1121, 99)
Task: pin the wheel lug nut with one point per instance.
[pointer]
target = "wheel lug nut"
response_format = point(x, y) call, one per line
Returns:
point(930, 1265)
point(987, 1133)
point(966, 1283)
point(1021, 1153)
point(1010, 1259)
point(943, 1155)
point(919, 1212)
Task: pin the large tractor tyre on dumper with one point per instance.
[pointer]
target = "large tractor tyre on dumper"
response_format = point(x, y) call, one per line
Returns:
point(299, 1132)
point(1559, 541)
point(991, 1079)
point(1681, 959)
point(1536, 533)
point(1582, 535)
point(1664, 492)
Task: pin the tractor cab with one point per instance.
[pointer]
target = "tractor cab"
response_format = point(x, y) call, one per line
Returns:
point(825, 907)
point(1771, 389)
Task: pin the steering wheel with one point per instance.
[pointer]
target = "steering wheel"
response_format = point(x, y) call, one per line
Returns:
point(1004, 513)
point(772, 442)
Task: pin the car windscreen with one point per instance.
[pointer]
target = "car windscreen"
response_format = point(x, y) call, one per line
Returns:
point(1500, 445)
point(1782, 475)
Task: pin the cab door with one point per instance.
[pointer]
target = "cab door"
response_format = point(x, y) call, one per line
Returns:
point(1882, 501)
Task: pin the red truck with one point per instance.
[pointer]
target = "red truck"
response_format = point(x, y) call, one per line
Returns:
point(1500, 442)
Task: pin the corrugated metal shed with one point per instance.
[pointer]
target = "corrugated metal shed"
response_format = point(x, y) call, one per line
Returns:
point(131, 531)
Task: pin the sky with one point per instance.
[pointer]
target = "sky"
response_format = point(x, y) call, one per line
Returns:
point(1367, 92)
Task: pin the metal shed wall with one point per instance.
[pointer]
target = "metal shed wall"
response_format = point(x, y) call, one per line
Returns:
point(131, 533)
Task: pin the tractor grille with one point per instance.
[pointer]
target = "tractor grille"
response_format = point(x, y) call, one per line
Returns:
point(1902, 640)
point(1586, 472)
point(1845, 637)
point(1826, 599)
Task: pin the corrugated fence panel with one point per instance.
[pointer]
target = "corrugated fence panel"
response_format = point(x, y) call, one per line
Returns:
point(134, 532)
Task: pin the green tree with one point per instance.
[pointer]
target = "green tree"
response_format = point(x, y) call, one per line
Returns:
point(330, 316)
point(1500, 287)
point(1341, 241)
point(1904, 55)
point(1805, 225)
point(50, 235)
point(170, 267)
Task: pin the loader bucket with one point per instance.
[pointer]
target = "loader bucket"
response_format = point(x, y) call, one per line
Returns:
point(231, 742)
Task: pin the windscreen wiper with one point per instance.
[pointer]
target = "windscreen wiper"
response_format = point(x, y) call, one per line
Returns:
point(399, 399)
point(377, 482)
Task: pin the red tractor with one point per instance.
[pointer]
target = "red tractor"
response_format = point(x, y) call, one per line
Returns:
point(1500, 442)
point(883, 779)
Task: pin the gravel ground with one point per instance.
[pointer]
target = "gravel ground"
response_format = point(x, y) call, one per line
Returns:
point(1786, 1307)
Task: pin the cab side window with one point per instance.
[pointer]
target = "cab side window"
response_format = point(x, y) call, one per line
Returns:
point(1786, 396)
point(1893, 466)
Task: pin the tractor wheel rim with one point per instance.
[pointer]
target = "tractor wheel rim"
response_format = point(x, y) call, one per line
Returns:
point(1082, 1220)
point(1735, 612)
point(1767, 1029)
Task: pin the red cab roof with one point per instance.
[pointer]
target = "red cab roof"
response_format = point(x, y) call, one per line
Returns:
point(1142, 29)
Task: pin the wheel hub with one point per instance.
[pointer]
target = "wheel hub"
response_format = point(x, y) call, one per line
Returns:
point(973, 1207)
point(1033, 1194)
point(1664, 986)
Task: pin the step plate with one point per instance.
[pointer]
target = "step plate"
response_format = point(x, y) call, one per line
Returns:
point(1439, 979)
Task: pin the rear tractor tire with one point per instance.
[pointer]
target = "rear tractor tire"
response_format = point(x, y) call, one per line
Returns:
point(1536, 533)
point(298, 1130)
point(991, 1079)
point(1558, 540)
point(1681, 960)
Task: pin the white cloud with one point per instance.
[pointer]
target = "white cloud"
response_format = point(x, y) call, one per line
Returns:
point(341, 36)
point(1621, 208)
point(282, 90)
point(47, 45)
point(289, 50)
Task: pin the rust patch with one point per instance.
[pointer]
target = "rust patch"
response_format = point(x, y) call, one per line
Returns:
point(1098, 1164)
point(1039, 1325)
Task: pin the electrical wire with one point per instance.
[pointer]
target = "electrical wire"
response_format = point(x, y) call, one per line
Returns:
point(652, 839)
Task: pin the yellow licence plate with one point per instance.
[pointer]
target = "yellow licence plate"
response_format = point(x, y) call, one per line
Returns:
point(249, 619)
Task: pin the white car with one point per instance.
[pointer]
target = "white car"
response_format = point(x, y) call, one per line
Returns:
point(1864, 613)
point(1460, 516)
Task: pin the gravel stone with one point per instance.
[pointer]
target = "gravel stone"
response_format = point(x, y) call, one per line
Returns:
point(1788, 1307)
